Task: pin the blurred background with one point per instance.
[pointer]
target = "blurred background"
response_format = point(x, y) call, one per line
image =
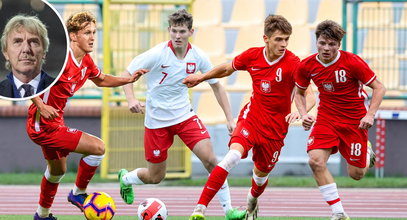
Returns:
point(376, 31)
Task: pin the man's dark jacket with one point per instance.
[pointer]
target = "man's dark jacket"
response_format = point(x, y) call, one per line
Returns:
point(9, 89)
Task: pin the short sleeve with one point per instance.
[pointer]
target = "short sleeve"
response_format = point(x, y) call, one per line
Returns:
point(301, 77)
point(362, 71)
point(95, 71)
point(240, 61)
point(146, 60)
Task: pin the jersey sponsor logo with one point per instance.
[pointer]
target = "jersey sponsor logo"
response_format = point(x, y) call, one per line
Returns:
point(245, 132)
point(70, 77)
point(265, 86)
point(191, 67)
point(72, 130)
point(156, 153)
point(73, 88)
point(311, 140)
point(83, 71)
point(164, 66)
point(328, 86)
point(203, 132)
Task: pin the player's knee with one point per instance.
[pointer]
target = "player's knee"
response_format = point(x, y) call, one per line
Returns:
point(316, 164)
point(156, 179)
point(357, 174)
point(99, 148)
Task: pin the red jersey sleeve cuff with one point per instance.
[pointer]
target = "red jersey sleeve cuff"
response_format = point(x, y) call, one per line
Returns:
point(370, 81)
point(97, 75)
point(301, 87)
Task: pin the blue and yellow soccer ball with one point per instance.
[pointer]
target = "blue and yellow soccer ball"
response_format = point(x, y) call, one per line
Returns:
point(99, 206)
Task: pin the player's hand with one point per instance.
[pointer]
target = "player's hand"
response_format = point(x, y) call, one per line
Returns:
point(366, 122)
point(307, 121)
point(292, 117)
point(136, 106)
point(137, 74)
point(48, 112)
point(231, 125)
point(192, 80)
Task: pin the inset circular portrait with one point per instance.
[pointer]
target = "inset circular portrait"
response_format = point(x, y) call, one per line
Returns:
point(34, 46)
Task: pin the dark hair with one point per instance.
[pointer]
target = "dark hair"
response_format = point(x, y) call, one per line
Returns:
point(80, 20)
point(331, 30)
point(179, 18)
point(276, 22)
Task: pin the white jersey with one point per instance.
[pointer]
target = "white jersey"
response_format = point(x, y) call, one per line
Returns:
point(167, 101)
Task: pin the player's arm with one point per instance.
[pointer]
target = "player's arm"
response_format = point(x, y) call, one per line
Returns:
point(113, 81)
point(377, 96)
point(46, 111)
point(135, 106)
point(220, 71)
point(301, 104)
point(223, 101)
point(310, 101)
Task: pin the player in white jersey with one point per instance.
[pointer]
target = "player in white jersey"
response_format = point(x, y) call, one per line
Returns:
point(168, 109)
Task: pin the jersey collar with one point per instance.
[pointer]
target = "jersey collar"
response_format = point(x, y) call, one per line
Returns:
point(73, 58)
point(330, 63)
point(173, 50)
point(274, 61)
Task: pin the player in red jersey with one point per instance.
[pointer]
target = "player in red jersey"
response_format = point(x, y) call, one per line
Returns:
point(263, 122)
point(45, 123)
point(343, 113)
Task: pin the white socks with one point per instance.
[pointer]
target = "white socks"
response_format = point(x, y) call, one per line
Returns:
point(76, 191)
point(43, 212)
point(224, 197)
point(131, 178)
point(330, 194)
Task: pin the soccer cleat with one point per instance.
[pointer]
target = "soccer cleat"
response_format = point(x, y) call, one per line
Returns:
point(372, 155)
point(50, 217)
point(340, 216)
point(126, 191)
point(235, 214)
point(198, 213)
point(77, 200)
point(197, 216)
point(252, 214)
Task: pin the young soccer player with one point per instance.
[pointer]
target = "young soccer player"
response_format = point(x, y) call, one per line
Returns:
point(263, 122)
point(45, 123)
point(343, 113)
point(168, 109)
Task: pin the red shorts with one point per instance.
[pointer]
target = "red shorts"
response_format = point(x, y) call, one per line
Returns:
point(56, 142)
point(347, 138)
point(265, 150)
point(158, 141)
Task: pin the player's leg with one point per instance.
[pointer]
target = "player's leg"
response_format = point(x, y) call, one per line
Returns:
point(318, 162)
point(49, 185)
point(93, 150)
point(355, 149)
point(217, 179)
point(156, 145)
point(324, 141)
point(265, 157)
point(203, 150)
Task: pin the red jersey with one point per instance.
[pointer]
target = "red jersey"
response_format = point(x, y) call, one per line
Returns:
point(340, 85)
point(74, 76)
point(273, 84)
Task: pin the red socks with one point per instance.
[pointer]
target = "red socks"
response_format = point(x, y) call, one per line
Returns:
point(212, 186)
point(85, 174)
point(258, 190)
point(48, 191)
